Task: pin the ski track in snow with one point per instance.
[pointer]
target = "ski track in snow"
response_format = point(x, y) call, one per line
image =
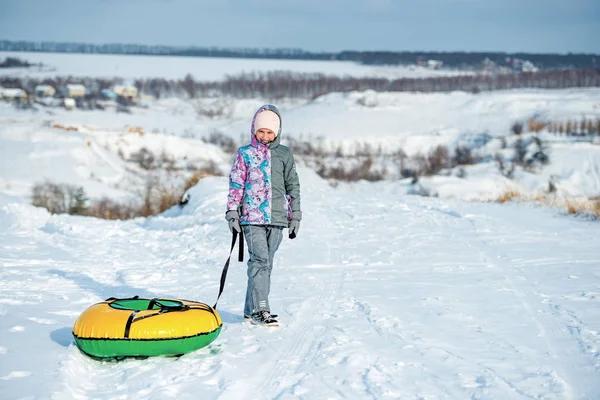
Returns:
point(381, 296)
point(552, 372)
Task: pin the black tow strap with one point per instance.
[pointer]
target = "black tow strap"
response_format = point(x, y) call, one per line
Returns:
point(128, 324)
point(226, 267)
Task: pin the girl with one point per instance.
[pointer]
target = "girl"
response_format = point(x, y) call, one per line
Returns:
point(264, 197)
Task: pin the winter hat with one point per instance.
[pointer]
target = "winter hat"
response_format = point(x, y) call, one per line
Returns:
point(267, 119)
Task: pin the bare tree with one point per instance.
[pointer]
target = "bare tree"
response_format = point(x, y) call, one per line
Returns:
point(189, 85)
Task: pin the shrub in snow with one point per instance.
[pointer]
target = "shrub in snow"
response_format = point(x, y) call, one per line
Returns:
point(218, 108)
point(510, 194)
point(535, 126)
point(59, 199)
point(156, 198)
point(310, 147)
point(463, 155)
point(520, 151)
point(106, 208)
point(218, 138)
point(145, 158)
point(363, 170)
point(437, 160)
point(541, 152)
point(517, 128)
point(506, 169)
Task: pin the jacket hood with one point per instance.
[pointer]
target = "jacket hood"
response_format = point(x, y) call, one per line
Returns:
point(253, 139)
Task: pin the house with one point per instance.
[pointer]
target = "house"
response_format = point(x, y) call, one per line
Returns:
point(73, 90)
point(528, 66)
point(13, 94)
point(435, 64)
point(44, 91)
point(108, 94)
point(520, 65)
point(128, 91)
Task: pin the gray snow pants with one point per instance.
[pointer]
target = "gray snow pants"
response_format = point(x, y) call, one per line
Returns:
point(263, 241)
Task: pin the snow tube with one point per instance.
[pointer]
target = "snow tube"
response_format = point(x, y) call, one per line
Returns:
point(134, 327)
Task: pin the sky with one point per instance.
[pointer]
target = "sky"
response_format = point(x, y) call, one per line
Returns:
point(539, 26)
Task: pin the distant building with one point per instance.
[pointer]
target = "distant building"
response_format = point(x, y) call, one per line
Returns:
point(108, 94)
point(528, 66)
point(487, 63)
point(435, 64)
point(520, 65)
point(128, 91)
point(13, 94)
point(44, 91)
point(73, 90)
point(489, 66)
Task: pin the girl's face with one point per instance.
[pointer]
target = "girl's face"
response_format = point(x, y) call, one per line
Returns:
point(265, 136)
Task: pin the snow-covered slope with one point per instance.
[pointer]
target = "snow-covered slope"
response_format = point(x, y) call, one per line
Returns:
point(381, 296)
point(417, 122)
point(35, 148)
point(339, 123)
point(574, 171)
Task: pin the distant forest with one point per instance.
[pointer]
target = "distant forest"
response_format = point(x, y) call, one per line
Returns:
point(277, 85)
point(457, 59)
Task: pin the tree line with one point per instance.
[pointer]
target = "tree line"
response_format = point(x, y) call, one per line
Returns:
point(458, 59)
point(277, 85)
point(452, 59)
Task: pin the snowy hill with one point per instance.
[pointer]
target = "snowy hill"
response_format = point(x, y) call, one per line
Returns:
point(343, 124)
point(37, 147)
point(382, 295)
point(417, 122)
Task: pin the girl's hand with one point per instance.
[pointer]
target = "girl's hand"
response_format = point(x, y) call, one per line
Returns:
point(294, 228)
point(233, 218)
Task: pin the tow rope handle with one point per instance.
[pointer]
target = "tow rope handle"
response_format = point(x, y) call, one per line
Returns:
point(226, 267)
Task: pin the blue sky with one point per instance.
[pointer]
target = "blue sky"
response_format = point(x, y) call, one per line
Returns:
point(326, 25)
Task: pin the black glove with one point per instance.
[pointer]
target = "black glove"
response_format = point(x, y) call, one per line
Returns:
point(233, 217)
point(294, 224)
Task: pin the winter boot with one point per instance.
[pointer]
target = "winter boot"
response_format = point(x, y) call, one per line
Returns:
point(263, 318)
point(248, 317)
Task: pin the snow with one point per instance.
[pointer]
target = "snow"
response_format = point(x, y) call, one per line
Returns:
point(412, 122)
point(382, 295)
point(36, 149)
point(577, 163)
point(395, 119)
point(202, 69)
